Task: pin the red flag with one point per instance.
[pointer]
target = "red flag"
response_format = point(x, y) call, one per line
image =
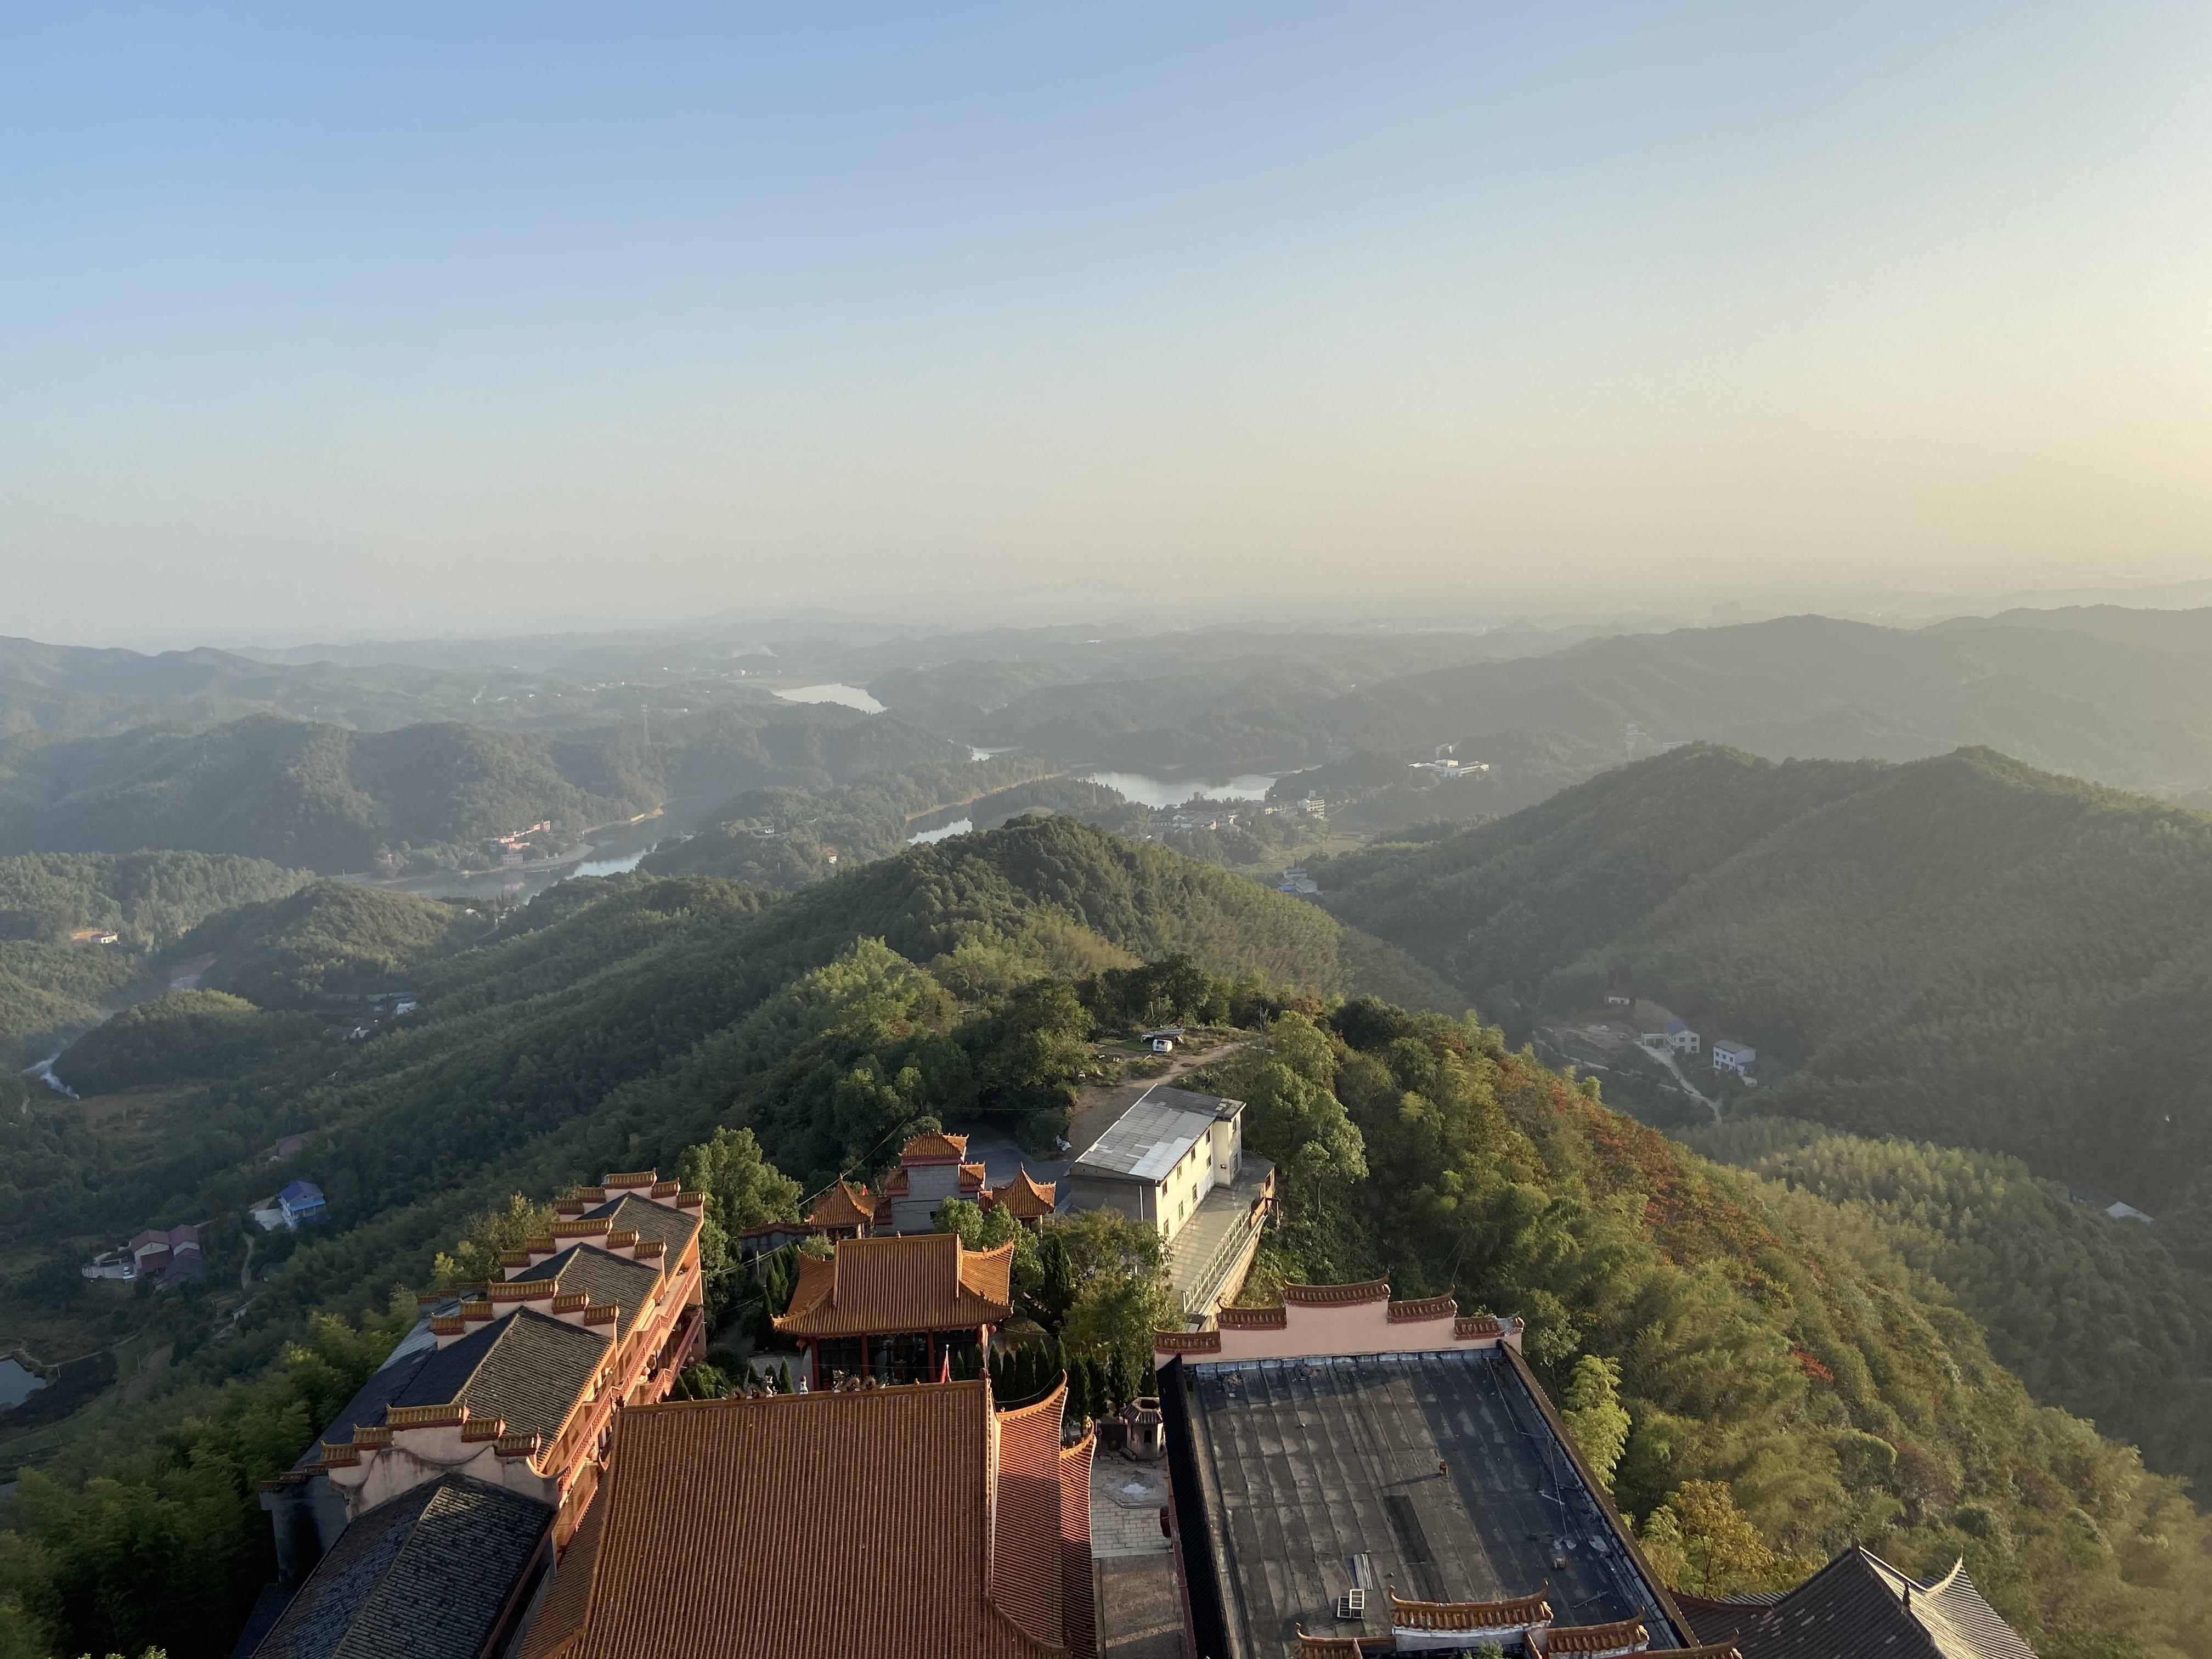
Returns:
point(944, 1370)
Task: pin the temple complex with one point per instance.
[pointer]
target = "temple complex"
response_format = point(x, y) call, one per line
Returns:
point(974, 1542)
point(898, 1309)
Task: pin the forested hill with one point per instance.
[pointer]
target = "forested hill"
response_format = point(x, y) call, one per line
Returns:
point(1960, 949)
point(611, 1018)
point(330, 798)
point(51, 987)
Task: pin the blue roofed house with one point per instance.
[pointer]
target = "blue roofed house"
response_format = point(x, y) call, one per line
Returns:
point(1681, 1037)
point(301, 1202)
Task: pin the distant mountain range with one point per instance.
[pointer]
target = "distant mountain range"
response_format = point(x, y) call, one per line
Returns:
point(2088, 700)
point(330, 798)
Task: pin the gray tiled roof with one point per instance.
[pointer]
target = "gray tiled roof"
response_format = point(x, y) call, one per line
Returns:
point(1859, 1604)
point(526, 1368)
point(426, 1576)
point(602, 1277)
point(630, 1213)
point(383, 1388)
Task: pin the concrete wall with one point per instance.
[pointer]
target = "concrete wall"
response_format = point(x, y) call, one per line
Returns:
point(1135, 1199)
point(1343, 1328)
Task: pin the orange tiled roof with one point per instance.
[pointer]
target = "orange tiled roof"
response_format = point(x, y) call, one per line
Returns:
point(940, 1563)
point(1627, 1633)
point(1081, 1607)
point(840, 1206)
point(972, 1177)
point(1025, 1199)
point(916, 1282)
point(935, 1148)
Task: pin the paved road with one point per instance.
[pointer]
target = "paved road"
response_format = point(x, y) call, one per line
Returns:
point(1098, 1109)
point(1666, 1057)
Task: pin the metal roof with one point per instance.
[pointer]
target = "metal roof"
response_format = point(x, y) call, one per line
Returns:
point(1436, 1475)
point(1149, 1138)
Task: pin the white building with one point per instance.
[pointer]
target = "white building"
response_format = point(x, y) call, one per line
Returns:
point(1736, 1057)
point(1161, 1158)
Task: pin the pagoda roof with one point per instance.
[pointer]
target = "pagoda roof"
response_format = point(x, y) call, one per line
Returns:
point(841, 1206)
point(1024, 1199)
point(973, 1543)
point(898, 1184)
point(912, 1282)
point(1859, 1603)
point(938, 1148)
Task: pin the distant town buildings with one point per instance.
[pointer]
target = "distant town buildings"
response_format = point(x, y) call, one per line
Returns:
point(1729, 1055)
point(1674, 1034)
point(154, 1252)
point(301, 1202)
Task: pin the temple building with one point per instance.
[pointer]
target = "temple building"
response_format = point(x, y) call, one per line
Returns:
point(1859, 1604)
point(842, 1212)
point(972, 1541)
point(931, 1169)
point(512, 1385)
point(1352, 1474)
point(898, 1309)
point(1027, 1200)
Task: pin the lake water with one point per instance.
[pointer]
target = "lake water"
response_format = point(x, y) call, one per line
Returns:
point(515, 885)
point(1149, 791)
point(851, 696)
point(17, 1384)
point(924, 837)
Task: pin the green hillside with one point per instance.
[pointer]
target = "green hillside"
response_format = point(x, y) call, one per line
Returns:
point(785, 837)
point(295, 791)
point(329, 939)
point(613, 1017)
point(2093, 1313)
point(1960, 948)
point(51, 989)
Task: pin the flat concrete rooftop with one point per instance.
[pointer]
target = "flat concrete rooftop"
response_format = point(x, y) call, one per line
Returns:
point(1316, 1476)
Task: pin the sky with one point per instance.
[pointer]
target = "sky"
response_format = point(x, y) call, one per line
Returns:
point(324, 321)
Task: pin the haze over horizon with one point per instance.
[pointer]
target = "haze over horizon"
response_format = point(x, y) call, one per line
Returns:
point(429, 322)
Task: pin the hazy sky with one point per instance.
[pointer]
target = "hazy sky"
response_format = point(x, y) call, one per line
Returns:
point(448, 316)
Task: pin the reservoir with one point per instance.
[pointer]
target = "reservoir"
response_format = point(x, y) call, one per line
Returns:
point(852, 696)
point(925, 837)
point(1147, 790)
point(16, 1384)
